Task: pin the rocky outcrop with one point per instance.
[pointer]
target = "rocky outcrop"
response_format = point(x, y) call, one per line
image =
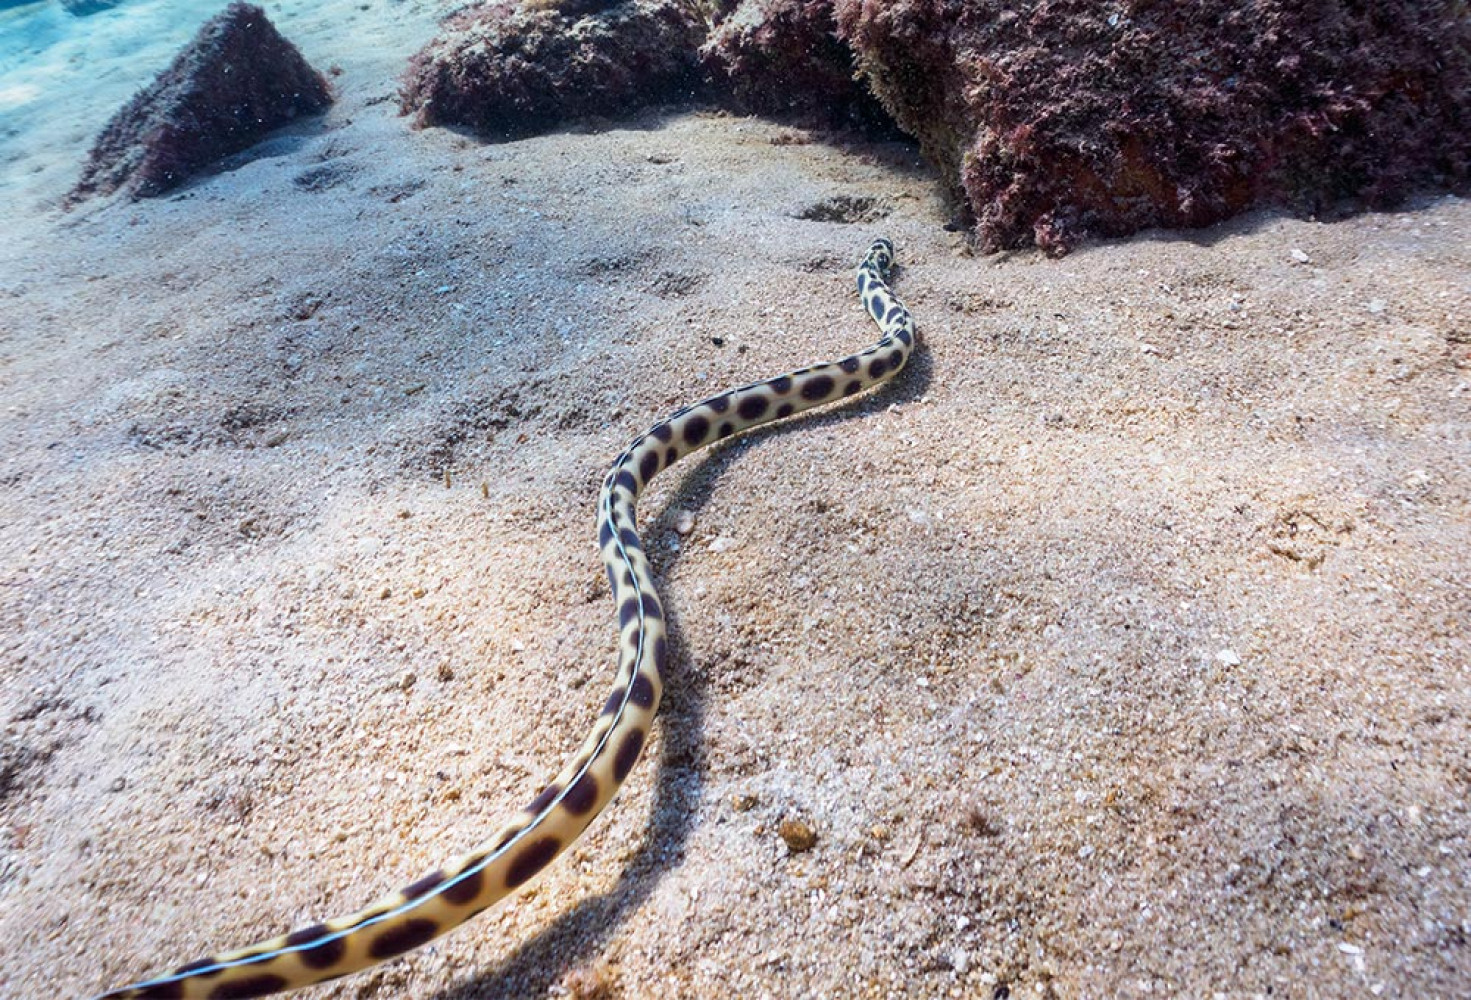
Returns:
point(511, 69)
point(783, 58)
point(1053, 120)
point(236, 81)
point(1050, 120)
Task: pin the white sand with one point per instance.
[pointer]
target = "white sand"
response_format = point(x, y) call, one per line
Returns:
point(1119, 648)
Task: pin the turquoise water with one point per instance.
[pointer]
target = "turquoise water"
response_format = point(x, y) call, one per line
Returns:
point(44, 46)
point(27, 30)
point(62, 76)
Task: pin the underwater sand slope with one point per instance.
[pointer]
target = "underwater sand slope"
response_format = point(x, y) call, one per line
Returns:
point(1119, 646)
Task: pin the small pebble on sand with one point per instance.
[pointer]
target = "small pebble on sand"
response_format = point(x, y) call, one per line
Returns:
point(798, 835)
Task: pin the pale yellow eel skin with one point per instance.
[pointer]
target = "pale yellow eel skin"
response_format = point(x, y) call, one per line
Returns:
point(452, 894)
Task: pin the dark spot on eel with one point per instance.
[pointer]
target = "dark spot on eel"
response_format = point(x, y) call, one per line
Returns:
point(465, 888)
point(696, 429)
point(163, 991)
point(752, 407)
point(628, 612)
point(194, 968)
point(583, 795)
point(628, 752)
point(533, 858)
point(614, 702)
point(322, 956)
point(545, 798)
point(244, 989)
point(818, 388)
point(642, 691)
point(416, 889)
point(404, 937)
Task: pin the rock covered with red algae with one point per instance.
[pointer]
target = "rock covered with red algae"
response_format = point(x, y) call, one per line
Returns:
point(784, 58)
point(1053, 120)
point(236, 81)
point(511, 69)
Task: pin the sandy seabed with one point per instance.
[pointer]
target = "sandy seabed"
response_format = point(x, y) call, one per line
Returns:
point(1118, 648)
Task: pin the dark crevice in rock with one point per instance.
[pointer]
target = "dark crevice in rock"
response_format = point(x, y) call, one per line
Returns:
point(784, 59)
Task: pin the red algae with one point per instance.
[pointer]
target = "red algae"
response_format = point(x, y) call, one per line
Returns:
point(506, 70)
point(1056, 120)
point(783, 58)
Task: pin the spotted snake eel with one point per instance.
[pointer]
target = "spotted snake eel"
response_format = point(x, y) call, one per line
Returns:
point(451, 895)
